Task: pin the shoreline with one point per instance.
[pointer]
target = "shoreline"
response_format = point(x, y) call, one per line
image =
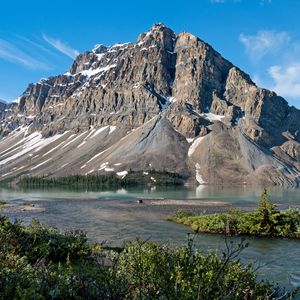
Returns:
point(163, 206)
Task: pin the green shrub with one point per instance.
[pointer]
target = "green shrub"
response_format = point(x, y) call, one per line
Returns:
point(37, 262)
point(39, 242)
point(266, 220)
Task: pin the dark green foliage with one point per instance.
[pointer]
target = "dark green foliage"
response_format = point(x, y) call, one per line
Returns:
point(268, 216)
point(40, 242)
point(103, 181)
point(160, 178)
point(159, 272)
point(79, 181)
point(266, 220)
point(38, 262)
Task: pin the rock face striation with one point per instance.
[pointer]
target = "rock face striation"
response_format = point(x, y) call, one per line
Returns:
point(168, 101)
point(2, 106)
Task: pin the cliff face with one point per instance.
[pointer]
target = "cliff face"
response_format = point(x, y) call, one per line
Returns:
point(2, 106)
point(166, 102)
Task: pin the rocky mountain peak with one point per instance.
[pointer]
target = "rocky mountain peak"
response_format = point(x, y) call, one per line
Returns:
point(154, 30)
point(175, 87)
point(159, 35)
point(99, 49)
point(185, 38)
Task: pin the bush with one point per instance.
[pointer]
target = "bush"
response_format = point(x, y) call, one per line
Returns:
point(37, 262)
point(266, 220)
point(38, 242)
point(158, 272)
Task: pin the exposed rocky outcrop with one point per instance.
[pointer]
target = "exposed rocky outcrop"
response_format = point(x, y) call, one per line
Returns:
point(2, 106)
point(167, 101)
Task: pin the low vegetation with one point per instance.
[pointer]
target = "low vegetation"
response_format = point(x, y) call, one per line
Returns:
point(266, 220)
point(38, 262)
point(150, 178)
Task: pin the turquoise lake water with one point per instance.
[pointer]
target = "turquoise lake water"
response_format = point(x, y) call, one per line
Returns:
point(115, 217)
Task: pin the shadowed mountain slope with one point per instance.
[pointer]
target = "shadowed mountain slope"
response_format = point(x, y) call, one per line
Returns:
point(167, 102)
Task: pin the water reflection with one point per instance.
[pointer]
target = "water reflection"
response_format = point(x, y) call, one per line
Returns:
point(237, 194)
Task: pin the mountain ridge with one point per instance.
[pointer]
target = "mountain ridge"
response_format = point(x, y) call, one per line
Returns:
point(196, 96)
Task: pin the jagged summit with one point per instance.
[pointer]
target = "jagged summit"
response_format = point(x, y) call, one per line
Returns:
point(99, 48)
point(159, 27)
point(223, 128)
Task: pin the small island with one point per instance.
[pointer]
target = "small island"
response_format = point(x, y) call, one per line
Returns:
point(99, 181)
point(266, 220)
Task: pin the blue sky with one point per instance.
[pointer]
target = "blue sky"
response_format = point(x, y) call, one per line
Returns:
point(40, 38)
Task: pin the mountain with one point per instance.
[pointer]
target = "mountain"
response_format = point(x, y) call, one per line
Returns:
point(2, 105)
point(167, 102)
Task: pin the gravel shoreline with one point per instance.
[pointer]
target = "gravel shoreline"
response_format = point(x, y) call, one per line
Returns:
point(161, 206)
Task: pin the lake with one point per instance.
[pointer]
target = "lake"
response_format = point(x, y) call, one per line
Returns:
point(115, 217)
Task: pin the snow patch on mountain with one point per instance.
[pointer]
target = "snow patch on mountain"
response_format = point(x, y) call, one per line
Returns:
point(199, 178)
point(195, 145)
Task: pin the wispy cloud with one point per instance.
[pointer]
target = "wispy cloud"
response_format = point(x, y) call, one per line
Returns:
point(274, 46)
point(61, 46)
point(217, 1)
point(12, 53)
point(286, 80)
point(263, 42)
point(35, 44)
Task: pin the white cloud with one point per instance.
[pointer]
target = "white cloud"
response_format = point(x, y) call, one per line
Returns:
point(264, 42)
point(283, 78)
point(61, 46)
point(10, 52)
point(286, 80)
point(35, 45)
